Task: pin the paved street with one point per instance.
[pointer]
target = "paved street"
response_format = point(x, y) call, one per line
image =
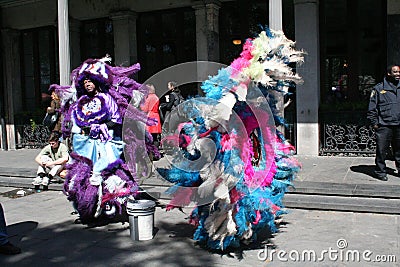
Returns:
point(349, 170)
point(41, 224)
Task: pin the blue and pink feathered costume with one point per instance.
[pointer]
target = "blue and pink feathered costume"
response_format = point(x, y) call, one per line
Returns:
point(238, 189)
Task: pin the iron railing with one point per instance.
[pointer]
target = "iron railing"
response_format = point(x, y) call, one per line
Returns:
point(336, 139)
point(32, 136)
point(347, 140)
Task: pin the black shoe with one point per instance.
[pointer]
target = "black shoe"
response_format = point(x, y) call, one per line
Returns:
point(382, 177)
point(9, 249)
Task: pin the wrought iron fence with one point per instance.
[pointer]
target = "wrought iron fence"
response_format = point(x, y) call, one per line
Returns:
point(336, 139)
point(32, 136)
point(347, 140)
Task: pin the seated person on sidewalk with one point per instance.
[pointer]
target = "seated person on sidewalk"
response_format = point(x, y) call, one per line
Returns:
point(5, 246)
point(51, 160)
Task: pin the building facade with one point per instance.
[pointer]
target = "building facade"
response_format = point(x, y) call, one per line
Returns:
point(348, 45)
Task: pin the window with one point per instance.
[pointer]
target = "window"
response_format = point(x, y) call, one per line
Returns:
point(97, 39)
point(353, 50)
point(238, 21)
point(39, 66)
point(165, 38)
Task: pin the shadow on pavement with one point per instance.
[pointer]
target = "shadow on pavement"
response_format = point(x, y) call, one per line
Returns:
point(178, 230)
point(18, 230)
point(69, 244)
point(264, 239)
point(365, 169)
point(369, 170)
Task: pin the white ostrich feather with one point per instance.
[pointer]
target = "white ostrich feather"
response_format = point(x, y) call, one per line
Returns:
point(106, 58)
point(228, 228)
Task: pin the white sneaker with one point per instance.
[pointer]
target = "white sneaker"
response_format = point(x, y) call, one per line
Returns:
point(45, 181)
point(37, 180)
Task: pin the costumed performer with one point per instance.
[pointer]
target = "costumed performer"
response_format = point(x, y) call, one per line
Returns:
point(98, 181)
point(239, 191)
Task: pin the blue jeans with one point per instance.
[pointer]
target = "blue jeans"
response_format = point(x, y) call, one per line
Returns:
point(3, 227)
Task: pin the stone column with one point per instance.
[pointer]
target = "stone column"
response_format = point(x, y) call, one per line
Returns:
point(207, 29)
point(201, 33)
point(275, 15)
point(275, 23)
point(125, 37)
point(12, 83)
point(307, 94)
point(63, 42)
point(207, 36)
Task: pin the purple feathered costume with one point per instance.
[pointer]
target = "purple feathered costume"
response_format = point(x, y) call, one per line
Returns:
point(98, 181)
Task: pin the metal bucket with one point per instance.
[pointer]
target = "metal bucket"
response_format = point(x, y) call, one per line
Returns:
point(141, 218)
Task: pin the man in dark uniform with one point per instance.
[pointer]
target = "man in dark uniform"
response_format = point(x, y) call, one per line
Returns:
point(384, 115)
point(172, 100)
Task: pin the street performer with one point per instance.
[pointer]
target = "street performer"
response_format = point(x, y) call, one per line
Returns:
point(98, 181)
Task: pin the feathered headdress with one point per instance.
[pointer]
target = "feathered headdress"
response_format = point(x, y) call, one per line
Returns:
point(97, 71)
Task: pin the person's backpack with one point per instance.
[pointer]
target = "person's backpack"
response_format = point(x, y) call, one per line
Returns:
point(50, 120)
point(178, 98)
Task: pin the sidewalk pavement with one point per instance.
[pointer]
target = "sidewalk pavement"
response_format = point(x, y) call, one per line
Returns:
point(328, 183)
point(42, 225)
point(20, 158)
point(351, 171)
point(328, 169)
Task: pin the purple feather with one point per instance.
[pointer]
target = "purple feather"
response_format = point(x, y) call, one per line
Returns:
point(126, 71)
